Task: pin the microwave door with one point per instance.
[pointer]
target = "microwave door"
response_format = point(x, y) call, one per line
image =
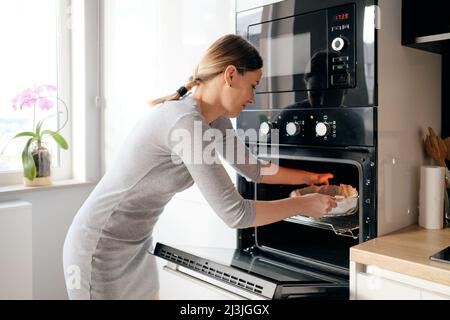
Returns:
point(251, 275)
point(287, 47)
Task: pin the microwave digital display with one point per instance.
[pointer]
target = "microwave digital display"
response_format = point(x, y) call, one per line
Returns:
point(341, 16)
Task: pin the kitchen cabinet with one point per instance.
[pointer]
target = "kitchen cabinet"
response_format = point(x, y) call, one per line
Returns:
point(373, 283)
point(428, 295)
point(425, 25)
point(397, 266)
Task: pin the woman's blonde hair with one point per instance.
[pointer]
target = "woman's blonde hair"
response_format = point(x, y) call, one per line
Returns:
point(228, 50)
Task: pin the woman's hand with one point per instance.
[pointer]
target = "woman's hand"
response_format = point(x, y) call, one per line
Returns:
point(318, 178)
point(316, 205)
point(312, 205)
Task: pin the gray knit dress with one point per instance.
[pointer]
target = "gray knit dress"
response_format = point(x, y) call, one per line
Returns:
point(105, 250)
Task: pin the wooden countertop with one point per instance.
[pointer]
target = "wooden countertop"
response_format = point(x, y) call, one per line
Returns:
point(407, 251)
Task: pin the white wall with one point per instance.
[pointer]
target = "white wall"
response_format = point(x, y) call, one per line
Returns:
point(409, 92)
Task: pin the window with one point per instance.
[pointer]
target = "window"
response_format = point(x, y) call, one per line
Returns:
point(144, 40)
point(35, 41)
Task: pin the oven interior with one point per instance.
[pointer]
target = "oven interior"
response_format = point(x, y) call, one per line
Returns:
point(323, 241)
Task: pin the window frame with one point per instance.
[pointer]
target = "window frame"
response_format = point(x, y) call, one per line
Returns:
point(63, 169)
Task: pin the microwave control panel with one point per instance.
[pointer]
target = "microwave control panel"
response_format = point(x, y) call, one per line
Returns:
point(341, 46)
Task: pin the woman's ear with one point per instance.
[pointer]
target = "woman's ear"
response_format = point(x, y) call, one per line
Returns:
point(229, 73)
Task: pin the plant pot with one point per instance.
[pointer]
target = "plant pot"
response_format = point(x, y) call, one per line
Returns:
point(38, 182)
point(43, 162)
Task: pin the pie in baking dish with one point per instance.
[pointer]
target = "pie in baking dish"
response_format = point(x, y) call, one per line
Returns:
point(344, 190)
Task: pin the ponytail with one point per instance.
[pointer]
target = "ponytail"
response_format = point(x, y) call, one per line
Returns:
point(178, 94)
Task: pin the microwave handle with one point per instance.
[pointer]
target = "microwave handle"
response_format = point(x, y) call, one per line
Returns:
point(173, 268)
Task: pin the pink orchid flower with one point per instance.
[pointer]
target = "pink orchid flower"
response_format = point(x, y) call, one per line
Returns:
point(45, 104)
point(39, 94)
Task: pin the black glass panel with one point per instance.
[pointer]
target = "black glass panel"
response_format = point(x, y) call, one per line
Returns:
point(305, 242)
point(340, 37)
point(287, 46)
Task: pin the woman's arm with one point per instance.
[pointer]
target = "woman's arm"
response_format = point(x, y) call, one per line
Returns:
point(235, 152)
point(249, 166)
point(313, 205)
point(281, 175)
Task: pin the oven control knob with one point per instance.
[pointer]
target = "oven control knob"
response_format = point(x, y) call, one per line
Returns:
point(323, 129)
point(338, 44)
point(293, 128)
point(265, 128)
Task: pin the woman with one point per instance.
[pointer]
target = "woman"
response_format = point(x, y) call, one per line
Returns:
point(105, 252)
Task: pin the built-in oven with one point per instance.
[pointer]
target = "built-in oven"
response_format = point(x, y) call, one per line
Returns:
point(314, 111)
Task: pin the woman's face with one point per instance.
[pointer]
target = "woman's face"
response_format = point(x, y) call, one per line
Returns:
point(239, 90)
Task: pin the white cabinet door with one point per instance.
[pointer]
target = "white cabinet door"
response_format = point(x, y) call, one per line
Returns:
point(374, 283)
point(429, 295)
point(372, 287)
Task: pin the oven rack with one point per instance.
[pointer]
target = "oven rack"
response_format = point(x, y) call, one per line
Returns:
point(347, 226)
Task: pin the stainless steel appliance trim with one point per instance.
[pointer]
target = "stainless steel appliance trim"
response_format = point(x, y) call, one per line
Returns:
point(212, 284)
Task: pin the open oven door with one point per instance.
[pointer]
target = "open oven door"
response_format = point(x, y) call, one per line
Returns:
point(252, 274)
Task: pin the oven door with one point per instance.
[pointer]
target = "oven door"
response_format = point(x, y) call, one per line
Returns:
point(251, 274)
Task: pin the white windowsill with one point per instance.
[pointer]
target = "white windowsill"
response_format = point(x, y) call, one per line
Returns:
point(56, 185)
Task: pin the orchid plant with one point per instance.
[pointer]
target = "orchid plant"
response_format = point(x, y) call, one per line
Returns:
point(44, 98)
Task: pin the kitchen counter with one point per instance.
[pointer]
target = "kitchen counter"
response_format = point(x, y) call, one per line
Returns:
point(407, 252)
